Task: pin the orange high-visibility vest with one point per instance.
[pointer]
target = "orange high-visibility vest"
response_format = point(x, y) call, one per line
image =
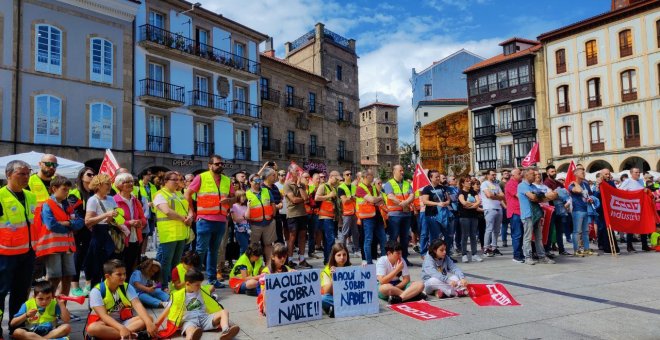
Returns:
point(348, 207)
point(364, 208)
point(50, 242)
point(260, 209)
point(210, 195)
point(401, 194)
point(16, 235)
point(327, 208)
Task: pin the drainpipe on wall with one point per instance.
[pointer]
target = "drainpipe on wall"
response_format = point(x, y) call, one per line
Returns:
point(133, 99)
point(17, 74)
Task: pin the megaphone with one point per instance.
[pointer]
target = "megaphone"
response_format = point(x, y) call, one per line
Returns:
point(79, 299)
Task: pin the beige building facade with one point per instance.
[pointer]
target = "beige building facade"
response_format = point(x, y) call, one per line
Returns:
point(379, 136)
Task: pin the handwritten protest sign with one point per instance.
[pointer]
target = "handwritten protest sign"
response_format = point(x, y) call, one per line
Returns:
point(293, 297)
point(355, 291)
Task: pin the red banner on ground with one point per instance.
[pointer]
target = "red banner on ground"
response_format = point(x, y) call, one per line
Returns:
point(421, 310)
point(628, 211)
point(490, 295)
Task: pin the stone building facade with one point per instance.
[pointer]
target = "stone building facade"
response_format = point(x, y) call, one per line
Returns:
point(379, 136)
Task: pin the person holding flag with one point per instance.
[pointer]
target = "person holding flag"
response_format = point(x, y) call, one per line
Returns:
point(420, 181)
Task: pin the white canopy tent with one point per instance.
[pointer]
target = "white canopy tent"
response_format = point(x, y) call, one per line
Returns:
point(66, 168)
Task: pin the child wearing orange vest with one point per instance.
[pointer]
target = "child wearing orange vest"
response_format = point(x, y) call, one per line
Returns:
point(55, 221)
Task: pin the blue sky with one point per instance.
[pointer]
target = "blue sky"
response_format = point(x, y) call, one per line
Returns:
point(393, 37)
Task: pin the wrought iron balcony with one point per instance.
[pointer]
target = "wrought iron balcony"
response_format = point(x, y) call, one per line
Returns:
point(631, 141)
point(241, 109)
point(629, 94)
point(484, 131)
point(504, 163)
point(317, 151)
point(316, 109)
point(599, 146)
point(158, 144)
point(563, 108)
point(344, 156)
point(594, 101)
point(204, 149)
point(271, 145)
point(161, 94)
point(592, 59)
point(270, 94)
point(241, 153)
point(524, 125)
point(154, 35)
point(295, 102)
point(566, 150)
point(487, 164)
point(297, 149)
point(206, 103)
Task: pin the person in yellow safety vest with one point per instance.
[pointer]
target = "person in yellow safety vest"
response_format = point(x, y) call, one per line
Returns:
point(112, 303)
point(40, 182)
point(38, 316)
point(244, 277)
point(147, 191)
point(173, 223)
point(215, 195)
point(190, 259)
point(261, 213)
point(193, 310)
point(348, 226)
point(327, 195)
point(17, 237)
point(55, 222)
point(368, 200)
point(399, 197)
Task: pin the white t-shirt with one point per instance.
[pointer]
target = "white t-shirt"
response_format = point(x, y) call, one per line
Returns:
point(95, 299)
point(94, 206)
point(384, 267)
point(495, 190)
point(194, 305)
point(630, 184)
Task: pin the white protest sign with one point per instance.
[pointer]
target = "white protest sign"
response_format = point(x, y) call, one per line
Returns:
point(293, 297)
point(355, 291)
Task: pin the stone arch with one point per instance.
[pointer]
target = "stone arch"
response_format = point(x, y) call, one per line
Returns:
point(563, 167)
point(635, 161)
point(598, 165)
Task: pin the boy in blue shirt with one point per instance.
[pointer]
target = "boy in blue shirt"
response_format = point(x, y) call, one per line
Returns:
point(37, 318)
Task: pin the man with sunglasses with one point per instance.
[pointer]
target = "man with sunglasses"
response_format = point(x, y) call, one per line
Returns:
point(40, 182)
point(215, 195)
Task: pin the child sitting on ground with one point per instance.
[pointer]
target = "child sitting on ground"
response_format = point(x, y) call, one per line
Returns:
point(189, 260)
point(193, 310)
point(338, 258)
point(144, 281)
point(277, 265)
point(112, 302)
point(394, 283)
point(244, 277)
point(37, 318)
point(440, 273)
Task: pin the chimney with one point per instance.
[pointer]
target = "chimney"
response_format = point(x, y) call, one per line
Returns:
point(269, 50)
point(619, 4)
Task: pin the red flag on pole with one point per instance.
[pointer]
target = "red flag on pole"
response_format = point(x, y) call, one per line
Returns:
point(570, 177)
point(420, 179)
point(109, 165)
point(532, 157)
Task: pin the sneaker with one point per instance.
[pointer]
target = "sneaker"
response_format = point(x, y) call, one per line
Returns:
point(416, 248)
point(591, 252)
point(439, 294)
point(530, 261)
point(546, 260)
point(422, 296)
point(579, 253)
point(217, 284)
point(290, 264)
point(632, 250)
point(518, 260)
point(331, 311)
point(550, 255)
point(565, 253)
point(77, 292)
point(489, 253)
point(497, 251)
point(393, 300)
point(464, 259)
point(477, 258)
point(304, 265)
point(461, 292)
point(230, 332)
point(504, 244)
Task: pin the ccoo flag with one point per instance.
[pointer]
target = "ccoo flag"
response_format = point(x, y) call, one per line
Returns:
point(420, 179)
point(570, 176)
point(109, 165)
point(532, 157)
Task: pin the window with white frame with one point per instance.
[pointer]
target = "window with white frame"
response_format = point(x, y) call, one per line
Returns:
point(513, 77)
point(100, 125)
point(47, 119)
point(565, 137)
point(101, 60)
point(48, 52)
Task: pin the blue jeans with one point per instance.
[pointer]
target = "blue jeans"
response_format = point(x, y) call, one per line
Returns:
point(423, 233)
point(209, 235)
point(153, 300)
point(580, 224)
point(311, 232)
point(505, 226)
point(430, 232)
point(327, 301)
point(328, 228)
point(516, 236)
point(243, 239)
point(170, 256)
point(373, 226)
point(399, 227)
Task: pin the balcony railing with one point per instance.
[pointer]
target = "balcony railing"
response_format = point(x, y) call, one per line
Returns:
point(318, 109)
point(241, 153)
point(625, 51)
point(594, 101)
point(158, 144)
point(189, 46)
point(245, 109)
point(487, 164)
point(566, 150)
point(344, 156)
point(504, 163)
point(295, 102)
point(162, 90)
point(503, 127)
point(631, 142)
point(599, 146)
point(204, 149)
point(317, 151)
point(295, 149)
point(561, 68)
point(271, 145)
point(629, 94)
point(207, 100)
point(270, 94)
point(563, 108)
point(344, 116)
point(525, 124)
point(592, 60)
point(484, 131)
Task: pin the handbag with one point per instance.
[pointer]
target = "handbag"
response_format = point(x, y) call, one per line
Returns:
point(115, 234)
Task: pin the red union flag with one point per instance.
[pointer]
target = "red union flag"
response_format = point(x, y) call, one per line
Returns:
point(490, 295)
point(422, 311)
point(109, 165)
point(532, 157)
point(570, 177)
point(628, 211)
point(420, 179)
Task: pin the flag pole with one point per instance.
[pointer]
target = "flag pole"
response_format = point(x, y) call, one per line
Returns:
point(610, 236)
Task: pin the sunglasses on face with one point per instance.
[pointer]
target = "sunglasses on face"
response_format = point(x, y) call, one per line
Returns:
point(348, 174)
point(51, 164)
point(218, 164)
point(257, 180)
point(89, 174)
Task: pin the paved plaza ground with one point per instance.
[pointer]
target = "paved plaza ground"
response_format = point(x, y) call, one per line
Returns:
point(598, 297)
